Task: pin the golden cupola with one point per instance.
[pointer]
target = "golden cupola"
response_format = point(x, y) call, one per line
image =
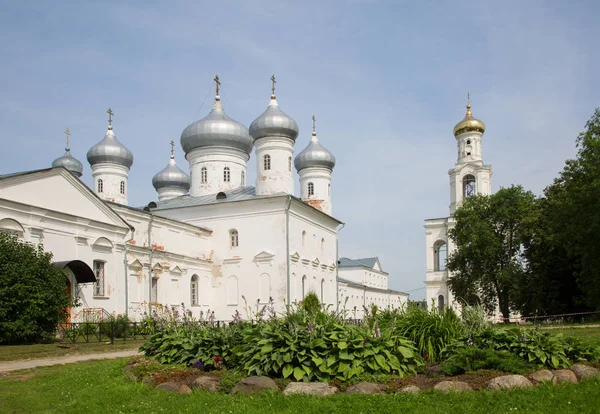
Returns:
point(469, 123)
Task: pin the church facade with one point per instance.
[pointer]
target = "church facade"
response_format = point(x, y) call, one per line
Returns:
point(210, 242)
point(469, 176)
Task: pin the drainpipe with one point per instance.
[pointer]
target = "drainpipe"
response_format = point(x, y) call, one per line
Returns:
point(150, 263)
point(287, 246)
point(337, 268)
point(126, 275)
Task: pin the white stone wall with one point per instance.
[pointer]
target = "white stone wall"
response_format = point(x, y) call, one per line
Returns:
point(112, 175)
point(469, 147)
point(354, 298)
point(279, 178)
point(321, 179)
point(215, 159)
point(166, 193)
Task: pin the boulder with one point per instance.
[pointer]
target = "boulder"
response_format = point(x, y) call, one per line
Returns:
point(457, 386)
point(507, 382)
point(365, 388)
point(543, 375)
point(254, 384)
point(584, 371)
point(129, 375)
point(148, 380)
point(410, 389)
point(174, 387)
point(309, 388)
point(565, 375)
point(206, 383)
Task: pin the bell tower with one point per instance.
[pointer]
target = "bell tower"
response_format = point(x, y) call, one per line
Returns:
point(470, 175)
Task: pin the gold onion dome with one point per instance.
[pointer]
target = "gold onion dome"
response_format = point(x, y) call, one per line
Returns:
point(469, 123)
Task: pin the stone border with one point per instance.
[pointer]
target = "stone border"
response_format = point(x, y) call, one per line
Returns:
point(258, 384)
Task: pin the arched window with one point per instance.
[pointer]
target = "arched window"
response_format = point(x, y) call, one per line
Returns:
point(233, 238)
point(440, 254)
point(304, 238)
point(267, 162)
point(243, 183)
point(194, 290)
point(203, 175)
point(122, 187)
point(441, 302)
point(469, 186)
point(311, 189)
point(100, 186)
point(99, 273)
point(322, 246)
point(289, 163)
point(303, 286)
point(226, 174)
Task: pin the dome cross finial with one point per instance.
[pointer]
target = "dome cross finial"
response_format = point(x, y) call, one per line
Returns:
point(314, 124)
point(217, 83)
point(110, 114)
point(273, 82)
point(469, 114)
point(172, 148)
point(67, 133)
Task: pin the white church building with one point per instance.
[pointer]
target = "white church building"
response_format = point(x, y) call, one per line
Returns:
point(210, 241)
point(469, 176)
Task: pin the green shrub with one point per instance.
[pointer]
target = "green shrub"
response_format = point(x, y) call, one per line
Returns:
point(472, 359)
point(475, 319)
point(532, 346)
point(33, 297)
point(430, 330)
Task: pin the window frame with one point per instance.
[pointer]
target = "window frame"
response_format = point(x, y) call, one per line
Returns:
point(311, 189)
point(100, 185)
point(234, 238)
point(266, 162)
point(194, 287)
point(203, 175)
point(226, 175)
point(122, 187)
point(100, 274)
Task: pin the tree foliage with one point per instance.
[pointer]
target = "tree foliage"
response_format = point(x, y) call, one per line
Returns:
point(490, 235)
point(33, 297)
point(565, 253)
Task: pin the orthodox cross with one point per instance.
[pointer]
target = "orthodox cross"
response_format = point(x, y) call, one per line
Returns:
point(110, 114)
point(273, 82)
point(314, 120)
point(216, 79)
point(468, 98)
point(172, 149)
point(67, 133)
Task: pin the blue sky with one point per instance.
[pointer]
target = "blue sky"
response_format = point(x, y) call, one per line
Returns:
point(387, 82)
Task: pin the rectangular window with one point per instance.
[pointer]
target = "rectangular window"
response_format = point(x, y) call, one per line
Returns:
point(99, 272)
point(154, 290)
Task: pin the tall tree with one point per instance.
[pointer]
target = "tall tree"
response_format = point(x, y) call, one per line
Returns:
point(577, 217)
point(490, 234)
point(33, 297)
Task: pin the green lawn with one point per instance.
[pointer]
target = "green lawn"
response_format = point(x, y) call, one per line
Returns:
point(589, 336)
point(15, 352)
point(99, 387)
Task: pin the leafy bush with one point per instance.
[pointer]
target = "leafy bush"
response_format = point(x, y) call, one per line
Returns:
point(33, 297)
point(472, 359)
point(475, 319)
point(430, 330)
point(533, 346)
point(295, 346)
point(305, 343)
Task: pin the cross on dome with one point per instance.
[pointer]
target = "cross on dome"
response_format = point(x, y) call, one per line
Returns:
point(216, 79)
point(110, 114)
point(67, 133)
point(314, 124)
point(172, 149)
point(273, 82)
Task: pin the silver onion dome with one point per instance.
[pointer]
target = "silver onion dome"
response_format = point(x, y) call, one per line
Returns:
point(314, 155)
point(274, 122)
point(69, 162)
point(110, 150)
point(171, 176)
point(216, 130)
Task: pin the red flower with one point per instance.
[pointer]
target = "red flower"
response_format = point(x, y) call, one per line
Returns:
point(217, 359)
point(426, 356)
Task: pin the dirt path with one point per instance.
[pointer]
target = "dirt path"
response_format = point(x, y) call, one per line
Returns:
point(44, 362)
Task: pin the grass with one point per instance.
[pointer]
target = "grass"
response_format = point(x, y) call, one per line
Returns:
point(589, 336)
point(99, 387)
point(17, 352)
